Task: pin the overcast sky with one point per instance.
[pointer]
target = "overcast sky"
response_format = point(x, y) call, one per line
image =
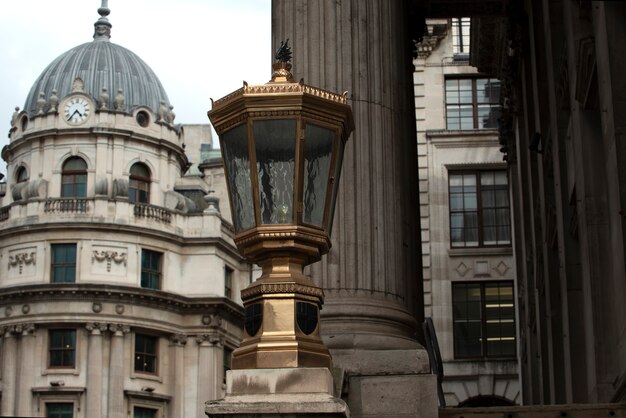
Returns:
point(199, 49)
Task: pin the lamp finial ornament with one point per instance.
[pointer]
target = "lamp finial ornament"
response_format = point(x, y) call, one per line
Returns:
point(283, 54)
point(281, 69)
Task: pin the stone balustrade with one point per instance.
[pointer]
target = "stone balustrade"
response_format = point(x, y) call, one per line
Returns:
point(114, 211)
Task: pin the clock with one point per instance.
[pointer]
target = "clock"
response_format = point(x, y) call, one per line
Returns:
point(76, 110)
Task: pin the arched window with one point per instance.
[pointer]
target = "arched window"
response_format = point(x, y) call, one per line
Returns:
point(139, 184)
point(21, 175)
point(74, 178)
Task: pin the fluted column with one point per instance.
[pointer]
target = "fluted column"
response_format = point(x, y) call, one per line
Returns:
point(9, 371)
point(25, 380)
point(94, 369)
point(371, 276)
point(116, 371)
point(177, 369)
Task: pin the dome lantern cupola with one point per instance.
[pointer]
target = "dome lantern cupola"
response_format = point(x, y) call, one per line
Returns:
point(103, 66)
point(102, 26)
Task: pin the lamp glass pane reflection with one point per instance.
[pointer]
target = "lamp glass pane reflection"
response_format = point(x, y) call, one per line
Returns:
point(275, 142)
point(317, 159)
point(237, 160)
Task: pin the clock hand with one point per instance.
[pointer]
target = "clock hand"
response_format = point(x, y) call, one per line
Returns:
point(72, 115)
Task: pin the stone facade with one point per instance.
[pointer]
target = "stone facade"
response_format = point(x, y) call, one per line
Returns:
point(563, 136)
point(119, 289)
point(441, 151)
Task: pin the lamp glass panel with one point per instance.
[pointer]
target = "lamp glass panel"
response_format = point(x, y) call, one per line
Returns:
point(335, 186)
point(275, 144)
point(318, 149)
point(237, 162)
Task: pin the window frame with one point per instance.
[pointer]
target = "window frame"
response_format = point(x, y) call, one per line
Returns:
point(474, 104)
point(480, 209)
point(151, 272)
point(65, 263)
point(460, 48)
point(135, 183)
point(153, 355)
point(73, 175)
point(228, 281)
point(21, 174)
point(484, 321)
point(61, 349)
point(155, 411)
point(48, 403)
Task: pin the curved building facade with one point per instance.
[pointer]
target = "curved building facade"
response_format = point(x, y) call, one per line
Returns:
point(119, 279)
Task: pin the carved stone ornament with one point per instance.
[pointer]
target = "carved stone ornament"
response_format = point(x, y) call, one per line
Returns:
point(22, 259)
point(209, 339)
point(119, 329)
point(119, 309)
point(109, 257)
point(78, 85)
point(96, 328)
point(178, 339)
point(96, 307)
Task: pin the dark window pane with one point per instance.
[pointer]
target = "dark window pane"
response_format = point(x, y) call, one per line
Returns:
point(63, 263)
point(60, 410)
point(151, 269)
point(62, 348)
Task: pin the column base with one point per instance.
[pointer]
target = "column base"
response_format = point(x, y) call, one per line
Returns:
point(294, 392)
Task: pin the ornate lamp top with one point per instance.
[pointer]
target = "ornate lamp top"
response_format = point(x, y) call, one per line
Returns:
point(281, 69)
point(283, 54)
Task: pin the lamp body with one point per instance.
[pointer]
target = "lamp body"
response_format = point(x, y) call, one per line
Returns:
point(282, 145)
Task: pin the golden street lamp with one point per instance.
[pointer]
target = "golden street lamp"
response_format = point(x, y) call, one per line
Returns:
point(282, 145)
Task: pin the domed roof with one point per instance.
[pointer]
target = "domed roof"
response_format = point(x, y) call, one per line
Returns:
point(100, 64)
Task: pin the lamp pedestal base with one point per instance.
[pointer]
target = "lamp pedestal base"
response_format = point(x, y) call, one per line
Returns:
point(269, 393)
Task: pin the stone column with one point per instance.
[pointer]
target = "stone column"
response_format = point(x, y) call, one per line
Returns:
point(9, 370)
point(25, 380)
point(116, 371)
point(94, 369)
point(372, 275)
point(177, 375)
point(209, 376)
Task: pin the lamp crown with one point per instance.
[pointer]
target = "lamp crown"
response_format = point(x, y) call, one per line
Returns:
point(283, 53)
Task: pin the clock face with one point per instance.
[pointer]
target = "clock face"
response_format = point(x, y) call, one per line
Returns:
point(76, 111)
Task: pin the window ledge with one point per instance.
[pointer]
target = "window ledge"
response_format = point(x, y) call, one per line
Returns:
point(53, 390)
point(482, 251)
point(146, 376)
point(144, 395)
point(52, 371)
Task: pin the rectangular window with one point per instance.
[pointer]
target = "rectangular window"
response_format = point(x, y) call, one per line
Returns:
point(461, 36)
point(62, 353)
point(479, 209)
point(484, 319)
point(228, 282)
point(141, 412)
point(472, 103)
point(63, 263)
point(60, 410)
point(146, 353)
point(151, 269)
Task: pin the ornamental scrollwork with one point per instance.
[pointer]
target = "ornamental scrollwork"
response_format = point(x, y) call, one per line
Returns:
point(22, 259)
point(110, 257)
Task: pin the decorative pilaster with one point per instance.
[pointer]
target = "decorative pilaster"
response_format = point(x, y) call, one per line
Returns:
point(177, 369)
point(210, 374)
point(26, 378)
point(94, 369)
point(116, 371)
point(9, 371)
